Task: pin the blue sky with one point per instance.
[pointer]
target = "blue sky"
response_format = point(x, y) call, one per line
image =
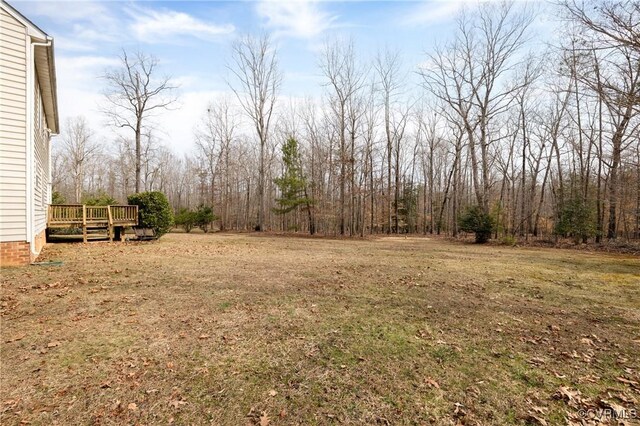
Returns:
point(192, 39)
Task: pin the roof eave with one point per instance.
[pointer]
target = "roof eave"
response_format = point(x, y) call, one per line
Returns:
point(54, 88)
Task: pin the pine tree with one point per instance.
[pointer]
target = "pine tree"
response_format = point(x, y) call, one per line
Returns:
point(292, 184)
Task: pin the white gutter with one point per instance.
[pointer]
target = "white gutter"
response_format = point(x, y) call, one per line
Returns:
point(31, 75)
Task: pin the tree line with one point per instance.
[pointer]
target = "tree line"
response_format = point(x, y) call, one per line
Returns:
point(536, 140)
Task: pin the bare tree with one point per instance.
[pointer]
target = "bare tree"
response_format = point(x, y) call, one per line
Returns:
point(390, 81)
point(345, 78)
point(468, 76)
point(617, 20)
point(531, 70)
point(79, 147)
point(254, 64)
point(214, 142)
point(133, 94)
point(613, 38)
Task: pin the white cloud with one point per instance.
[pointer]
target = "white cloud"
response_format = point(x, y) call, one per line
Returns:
point(78, 89)
point(74, 71)
point(438, 11)
point(165, 25)
point(178, 124)
point(67, 11)
point(432, 12)
point(72, 44)
point(297, 18)
point(86, 23)
point(77, 101)
point(89, 22)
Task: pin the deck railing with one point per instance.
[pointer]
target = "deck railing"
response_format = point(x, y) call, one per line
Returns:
point(124, 214)
point(97, 213)
point(70, 214)
point(67, 213)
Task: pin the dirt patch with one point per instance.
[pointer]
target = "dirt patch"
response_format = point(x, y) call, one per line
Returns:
point(239, 329)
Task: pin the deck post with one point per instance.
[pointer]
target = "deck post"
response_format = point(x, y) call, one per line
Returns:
point(84, 223)
point(110, 224)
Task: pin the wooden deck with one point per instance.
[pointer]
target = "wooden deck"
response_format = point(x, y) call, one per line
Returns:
point(112, 219)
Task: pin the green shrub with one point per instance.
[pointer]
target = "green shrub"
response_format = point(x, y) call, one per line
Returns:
point(509, 240)
point(101, 199)
point(577, 220)
point(204, 216)
point(186, 219)
point(58, 198)
point(474, 219)
point(201, 217)
point(153, 211)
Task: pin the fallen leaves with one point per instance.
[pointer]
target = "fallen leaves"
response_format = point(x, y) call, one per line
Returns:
point(264, 419)
point(177, 403)
point(609, 405)
point(633, 383)
point(570, 396)
point(259, 417)
point(16, 338)
point(533, 419)
point(587, 341)
point(459, 410)
point(586, 411)
point(537, 361)
point(432, 383)
point(627, 381)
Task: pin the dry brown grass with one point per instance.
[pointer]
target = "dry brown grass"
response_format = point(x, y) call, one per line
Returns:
point(244, 329)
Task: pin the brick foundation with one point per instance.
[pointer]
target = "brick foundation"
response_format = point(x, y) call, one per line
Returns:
point(17, 253)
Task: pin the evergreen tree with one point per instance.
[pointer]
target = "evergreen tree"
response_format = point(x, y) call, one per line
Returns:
point(474, 219)
point(292, 183)
point(576, 220)
point(203, 217)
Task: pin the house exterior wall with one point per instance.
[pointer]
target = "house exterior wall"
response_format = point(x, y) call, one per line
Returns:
point(25, 178)
point(13, 130)
point(41, 172)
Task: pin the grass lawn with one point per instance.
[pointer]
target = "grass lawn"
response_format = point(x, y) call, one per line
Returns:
point(259, 329)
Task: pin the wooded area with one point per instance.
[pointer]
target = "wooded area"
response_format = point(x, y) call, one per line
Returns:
point(543, 138)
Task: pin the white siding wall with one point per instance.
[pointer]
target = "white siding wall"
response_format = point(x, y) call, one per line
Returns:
point(41, 195)
point(13, 129)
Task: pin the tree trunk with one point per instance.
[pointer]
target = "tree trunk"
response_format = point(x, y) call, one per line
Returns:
point(613, 186)
point(138, 156)
point(342, 168)
point(396, 196)
point(260, 224)
point(616, 142)
point(474, 164)
point(523, 210)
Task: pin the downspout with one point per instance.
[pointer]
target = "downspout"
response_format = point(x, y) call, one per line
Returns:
point(31, 80)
